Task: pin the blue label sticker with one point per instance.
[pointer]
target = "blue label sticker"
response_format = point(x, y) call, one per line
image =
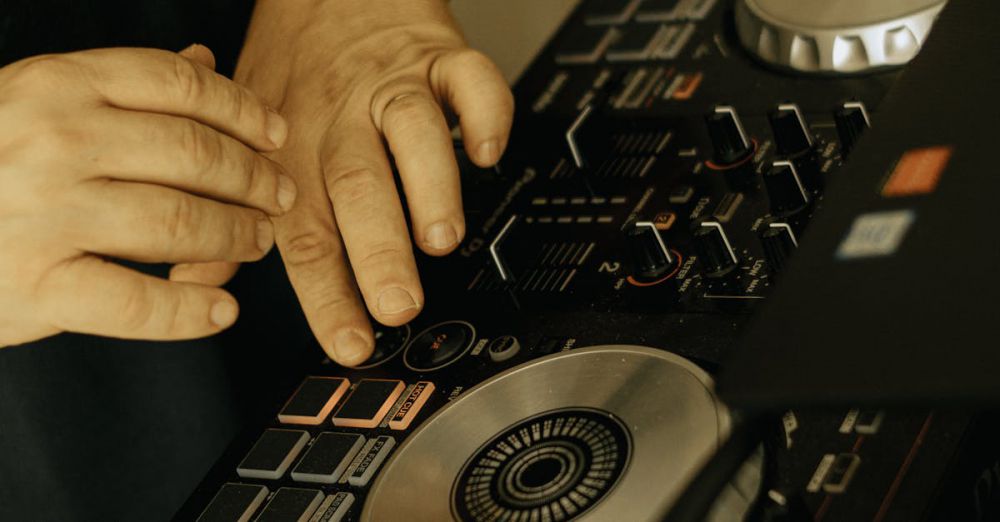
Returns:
point(876, 234)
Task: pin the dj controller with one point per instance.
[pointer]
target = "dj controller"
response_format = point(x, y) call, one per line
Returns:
point(666, 159)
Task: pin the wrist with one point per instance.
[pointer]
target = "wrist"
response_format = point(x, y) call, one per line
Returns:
point(312, 34)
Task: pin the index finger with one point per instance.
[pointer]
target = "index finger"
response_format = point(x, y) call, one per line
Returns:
point(169, 83)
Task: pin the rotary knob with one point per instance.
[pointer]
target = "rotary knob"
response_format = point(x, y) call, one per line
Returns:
point(792, 137)
point(785, 190)
point(854, 36)
point(779, 241)
point(730, 143)
point(852, 120)
point(714, 249)
point(651, 260)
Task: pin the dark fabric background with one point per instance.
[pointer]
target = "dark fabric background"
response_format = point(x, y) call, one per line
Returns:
point(111, 430)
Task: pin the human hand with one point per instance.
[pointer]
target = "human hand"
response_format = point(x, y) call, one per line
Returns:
point(134, 154)
point(348, 74)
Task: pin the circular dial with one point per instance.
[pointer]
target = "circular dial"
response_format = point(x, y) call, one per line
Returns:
point(847, 36)
point(553, 466)
point(657, 408)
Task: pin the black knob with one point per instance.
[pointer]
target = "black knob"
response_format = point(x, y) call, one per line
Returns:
point(778, 240)
point(650, 257)
point(785, 190)
point(589, 139)
point(791, 134)
point(852, 121)
point(714, 249)
point(730, 143)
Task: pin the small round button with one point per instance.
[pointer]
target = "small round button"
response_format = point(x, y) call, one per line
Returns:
point(388, 342)
point(439, 346)
point(503, 348)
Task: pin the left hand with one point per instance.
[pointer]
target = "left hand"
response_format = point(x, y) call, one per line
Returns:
point(346, 75)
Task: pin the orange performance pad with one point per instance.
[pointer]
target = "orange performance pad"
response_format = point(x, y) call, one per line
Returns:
point(917, 172)
point(369, 403)
point(313, 401)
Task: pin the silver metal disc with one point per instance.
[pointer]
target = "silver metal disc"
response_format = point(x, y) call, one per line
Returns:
point(842, 36)
point(664, 403)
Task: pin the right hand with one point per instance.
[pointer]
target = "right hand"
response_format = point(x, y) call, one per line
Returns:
point(134, 154)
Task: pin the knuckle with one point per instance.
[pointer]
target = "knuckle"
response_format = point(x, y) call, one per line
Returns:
point(254, 172)
point(307, 248)
point(408, 109)
point(349, 186)
point(331, 302)
point(178, 219)
point(200, 147)
point(137, 307)
point(53, 139)
point(241, 108)
point(187, 80)
point(381, 254)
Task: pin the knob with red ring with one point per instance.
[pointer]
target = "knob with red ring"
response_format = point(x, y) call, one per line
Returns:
point(731, 146)
point(651, 262)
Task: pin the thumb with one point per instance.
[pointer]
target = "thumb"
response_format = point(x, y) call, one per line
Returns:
point(199, 54)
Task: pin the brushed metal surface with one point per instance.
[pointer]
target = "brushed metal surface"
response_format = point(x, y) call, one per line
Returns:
point(666, 402)
point(835, 36)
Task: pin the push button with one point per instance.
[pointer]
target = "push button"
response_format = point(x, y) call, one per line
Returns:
point(273, 453)
point(414, 402)
point(439, 346)
point(234, 503)
point(328, 458)
point(335, 508)
point(373, 455)
point(313, 401)
point(369, 403)
point(291, 505)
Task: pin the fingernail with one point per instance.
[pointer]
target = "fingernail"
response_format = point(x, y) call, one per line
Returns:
point(277, 129)
point(488, 152)
point(286, 193)
point(223, 314)
point(395, 300)
point(350, 348)
point(441, 235)
point(265, 234)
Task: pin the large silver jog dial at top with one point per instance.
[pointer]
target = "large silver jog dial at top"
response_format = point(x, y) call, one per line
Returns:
point(835, 36)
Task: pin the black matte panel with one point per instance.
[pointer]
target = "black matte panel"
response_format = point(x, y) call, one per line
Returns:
point(326, 454)
point(635, 39)
point(582, 40)
point(607, 9)
point(288, 505)
point(917, 326)
point(658, 6)
point(367, 399)
point(271, 449)
point(231, 503)
point(310, 398)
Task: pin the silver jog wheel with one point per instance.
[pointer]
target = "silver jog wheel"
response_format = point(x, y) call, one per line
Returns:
point(599, 433)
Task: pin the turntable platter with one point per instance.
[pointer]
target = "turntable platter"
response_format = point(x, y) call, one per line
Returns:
point(607, 433)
